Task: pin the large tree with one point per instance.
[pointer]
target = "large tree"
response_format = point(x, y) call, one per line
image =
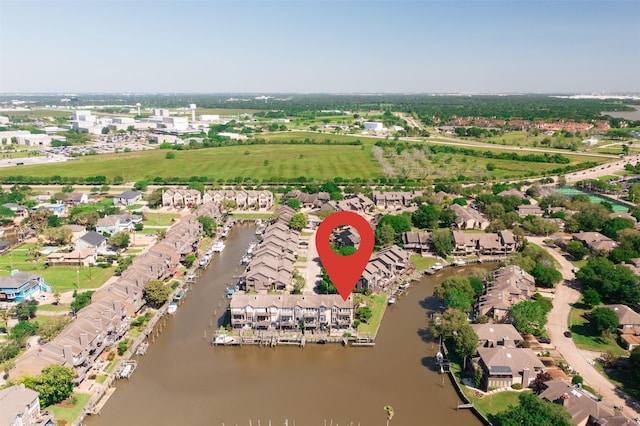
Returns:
point(614, 283)
point(603, 320)
point(466, 342)
point(156, 293)
point(208, 225)
point(546, 276)
point(442, 241)
point(54, 384)
point(426, 217)
point(529, 317)
point(119, 240)
point(532, 410)
point(59, 236)
point(634, 364)
point(298, 221)
point(456, 292)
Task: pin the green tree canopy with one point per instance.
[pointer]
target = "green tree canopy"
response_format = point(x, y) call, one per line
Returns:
point(294, 203)
point(442, 241)
point(54, 384)
point(119, 240)
point(298, 221)
point(577, 250)
point(156, 293)
point(533, 411)
point(614, 283)
point(529, 317)
point(546, 276)
point(603, 320)
point(426, 217)
point(208, 225)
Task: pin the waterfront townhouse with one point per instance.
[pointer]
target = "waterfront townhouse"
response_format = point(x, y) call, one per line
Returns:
point(485, 244)
point(395, 199)
point(504, 366)
point(21, 286)
point(384, 268)
point(20, 406)
point(510, 285)
point(211, 209)
point(284, 214)
point(468, 218)
point(359, 203)
point(290, 311)
point(419, 242)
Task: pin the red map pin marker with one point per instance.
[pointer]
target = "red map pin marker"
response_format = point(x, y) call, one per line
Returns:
point(344, 271)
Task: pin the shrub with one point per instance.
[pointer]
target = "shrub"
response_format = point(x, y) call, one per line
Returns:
point(516, 386)
point(577, 380)
point(111, 356)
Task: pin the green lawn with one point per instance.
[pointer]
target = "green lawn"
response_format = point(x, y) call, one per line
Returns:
point(54, 308)
point(262, 162)
point(620, 378)
point(101, 378)
point(422, 262)
point(494, 403)
point(71, 413)
point(585, 339)
point(149, 231)
point(61, 278)
point(378, 304)
point(159, 219)
point(135, 206)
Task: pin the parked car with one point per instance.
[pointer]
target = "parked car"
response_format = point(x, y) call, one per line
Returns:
point(542, 339)
point(567, 334)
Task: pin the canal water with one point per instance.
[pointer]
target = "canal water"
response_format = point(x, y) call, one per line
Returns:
point(183, 380)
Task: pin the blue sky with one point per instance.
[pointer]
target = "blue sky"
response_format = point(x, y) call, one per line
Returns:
point(319, 46)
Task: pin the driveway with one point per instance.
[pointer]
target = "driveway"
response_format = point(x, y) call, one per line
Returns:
point(313, 272)
point(558, 320)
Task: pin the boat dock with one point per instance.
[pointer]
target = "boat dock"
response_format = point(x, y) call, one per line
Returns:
point(125, 369)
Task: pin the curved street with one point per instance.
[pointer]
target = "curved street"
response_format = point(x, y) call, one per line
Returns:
point(558, 319)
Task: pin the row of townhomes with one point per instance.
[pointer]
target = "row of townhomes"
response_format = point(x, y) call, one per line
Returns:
point(290, 311)
point(107, 318)
point(272, 265)
point(20, 406)
point(509, 286)
point(395, 199)
point(272, 268)
point(384, 268)
point(465, 244)
point(244, 199)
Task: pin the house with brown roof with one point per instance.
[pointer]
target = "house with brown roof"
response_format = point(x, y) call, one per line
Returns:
point(468, 218)
point(180, 198)
point(509, 285)
point(80, 257)
point(284, 214)
point(494, 335)
point(504, 366)
point(595, 241)
point(384, 268)
point(483, 244)
point(512, 193)
point(20, 406)
point(308, 200)
point(394, 199)
point(525, 210)
point(629, 328)
point(582, 408)
point(419, 242)
point(288, 311)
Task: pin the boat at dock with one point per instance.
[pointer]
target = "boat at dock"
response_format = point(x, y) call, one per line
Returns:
point(173, 307)
point(218, 246)
point(404, 285)
point(459, 262)
point(225, 232)
point(391, 300)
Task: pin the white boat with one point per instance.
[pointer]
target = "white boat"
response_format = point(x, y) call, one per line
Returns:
point(218, 246)
point(245, 260)
point(459, 262)
point(437, 266)
point(191, 277)
point(391, 300)
point(222, 339)
point(225, 232)
point(173, 307)
point(404, 285)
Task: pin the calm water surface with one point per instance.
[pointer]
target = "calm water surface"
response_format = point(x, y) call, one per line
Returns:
point(182, 380)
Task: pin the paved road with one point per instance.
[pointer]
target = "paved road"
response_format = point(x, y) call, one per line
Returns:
point(603, 170)
point(557, 324)
point(313, 272)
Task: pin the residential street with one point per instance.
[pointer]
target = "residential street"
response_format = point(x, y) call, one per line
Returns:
point(557, 324)
point(313, 272)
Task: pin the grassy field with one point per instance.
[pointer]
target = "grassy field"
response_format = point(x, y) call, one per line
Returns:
point(69, 414)
point(585, 339)
point(38, 113)
point(159, 219)
point(378, 304)
point(61, 278)
point(262, 162)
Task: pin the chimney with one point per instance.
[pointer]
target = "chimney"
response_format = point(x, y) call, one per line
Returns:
point(84, 340)
point(117, 307)
point(526, 377)
point(67, 354)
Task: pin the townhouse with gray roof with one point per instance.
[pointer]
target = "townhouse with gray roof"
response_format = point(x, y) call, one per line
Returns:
point(20, 406)
point(510, 286)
